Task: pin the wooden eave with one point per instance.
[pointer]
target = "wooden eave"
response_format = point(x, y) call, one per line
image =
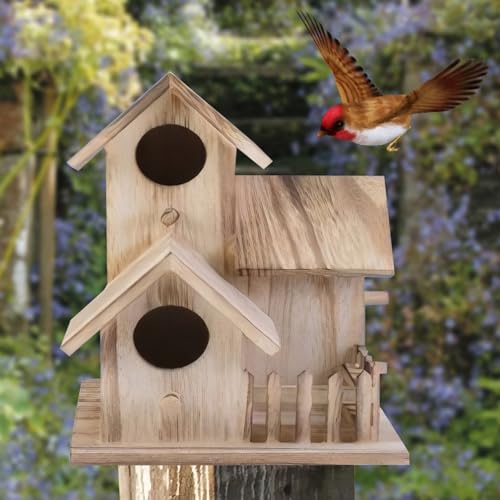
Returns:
point(170, 255)
point(170, 82)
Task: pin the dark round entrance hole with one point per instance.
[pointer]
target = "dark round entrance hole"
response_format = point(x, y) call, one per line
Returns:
point(170, 155)
point(171, 337)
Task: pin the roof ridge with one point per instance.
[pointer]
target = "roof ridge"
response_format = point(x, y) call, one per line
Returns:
point(191, 98)
point(193, 269)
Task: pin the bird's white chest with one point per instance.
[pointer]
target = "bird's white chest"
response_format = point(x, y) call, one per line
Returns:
point(381, 134)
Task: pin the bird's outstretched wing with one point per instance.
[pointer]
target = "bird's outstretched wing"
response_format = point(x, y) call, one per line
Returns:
point(449, 88)
point(352, 82)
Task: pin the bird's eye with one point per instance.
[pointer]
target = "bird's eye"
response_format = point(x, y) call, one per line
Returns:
point(339, 124)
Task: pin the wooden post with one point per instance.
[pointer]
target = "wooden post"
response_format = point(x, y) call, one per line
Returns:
point(248, 385)
point(304, 405)
point(284, 482)
point(160, 482)
point(363, 406)
point(379, 368)
point(334, 413)
point(230, 482)
point(273, 407)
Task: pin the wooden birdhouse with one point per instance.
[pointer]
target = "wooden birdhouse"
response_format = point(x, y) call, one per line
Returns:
point(232, 326)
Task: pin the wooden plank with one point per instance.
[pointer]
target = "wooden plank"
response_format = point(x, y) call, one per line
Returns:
point(170, 419)
point(111, 429)
point(375, 298)
point(368, 455)
point(289, 396)
point(308, 340)
point(87, 448)
point(335, 384)
point(273, 420)
point(194, 270)
point(249, 386)
point(227, 299)
point(348, 320)
point(377, 370)
point(363, 406)
point(304, 405)
point(221, 124)
point(322, 223)
point(85, 154)
point(107, 305)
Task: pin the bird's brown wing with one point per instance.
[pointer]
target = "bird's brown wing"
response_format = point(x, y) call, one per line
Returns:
point(352, 82)
point(449, 88)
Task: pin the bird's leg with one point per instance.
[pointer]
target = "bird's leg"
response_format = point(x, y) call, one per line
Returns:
point(391, 147)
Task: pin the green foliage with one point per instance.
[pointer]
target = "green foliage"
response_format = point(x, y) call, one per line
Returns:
point(488, 417)
point(460, 464)
point(38, 403)
point(80, 44)
point(192, 34)
point(15, 406)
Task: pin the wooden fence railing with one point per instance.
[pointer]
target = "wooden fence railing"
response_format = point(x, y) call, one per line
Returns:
point(347, 409)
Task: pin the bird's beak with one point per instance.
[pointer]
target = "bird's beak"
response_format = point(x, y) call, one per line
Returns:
point(320, 133)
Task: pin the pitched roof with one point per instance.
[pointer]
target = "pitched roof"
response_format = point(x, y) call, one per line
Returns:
point(169, 254)
point(313, 223)
point(170, 81)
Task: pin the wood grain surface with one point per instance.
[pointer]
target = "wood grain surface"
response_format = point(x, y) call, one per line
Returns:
point(314, 224)
point(169, 81)
point(87, 448)
point(170, 255)
point(284, 483)
point(211, 388)
point(319, 320)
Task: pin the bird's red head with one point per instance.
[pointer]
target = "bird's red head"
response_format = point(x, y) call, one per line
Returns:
point(333, 124)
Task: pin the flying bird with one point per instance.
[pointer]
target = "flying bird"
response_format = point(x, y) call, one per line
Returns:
point(369, 118)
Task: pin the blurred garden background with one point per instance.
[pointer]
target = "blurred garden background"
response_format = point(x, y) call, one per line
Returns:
point(67, 67)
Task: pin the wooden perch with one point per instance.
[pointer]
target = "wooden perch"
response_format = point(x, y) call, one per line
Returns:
point(376, 298)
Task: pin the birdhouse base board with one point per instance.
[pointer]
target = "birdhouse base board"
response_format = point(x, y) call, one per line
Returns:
point(86, 447)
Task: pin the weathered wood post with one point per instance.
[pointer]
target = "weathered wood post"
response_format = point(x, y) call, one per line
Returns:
point(273, 482)
point(266, 482)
